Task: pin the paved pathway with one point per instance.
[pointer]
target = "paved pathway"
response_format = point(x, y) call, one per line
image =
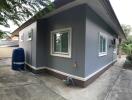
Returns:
point(16, 85)
point(114, 84)
point(5, 62)
point(122, 89)
point(101, 89)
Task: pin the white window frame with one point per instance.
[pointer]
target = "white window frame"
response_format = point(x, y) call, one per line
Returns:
point(116, 44)
point(115, 50)
point(29, 39)
point(104, 36)
point(20, 37)
point(61, 54)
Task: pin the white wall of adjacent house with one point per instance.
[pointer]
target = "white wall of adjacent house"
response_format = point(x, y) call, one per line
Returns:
point(7, 47)
point(6, 52)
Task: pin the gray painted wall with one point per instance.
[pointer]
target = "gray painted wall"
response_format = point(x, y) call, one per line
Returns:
point(75, 19)
point(29, 46)
point(94, 25)
point(85, 26)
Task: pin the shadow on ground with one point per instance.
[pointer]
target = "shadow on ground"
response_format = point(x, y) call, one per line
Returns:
point(127, 65)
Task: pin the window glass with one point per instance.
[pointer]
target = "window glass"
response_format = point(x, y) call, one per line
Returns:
point(102, 45)
point(57, 42)
point(30, 34)
point(21, 37)
point(64, 42)
point(61, 43)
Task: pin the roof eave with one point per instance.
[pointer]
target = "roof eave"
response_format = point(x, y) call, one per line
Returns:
point(113, 21)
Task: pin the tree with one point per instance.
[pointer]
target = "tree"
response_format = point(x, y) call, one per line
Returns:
point(127, 29)
point(126, 47)
point(20, 10)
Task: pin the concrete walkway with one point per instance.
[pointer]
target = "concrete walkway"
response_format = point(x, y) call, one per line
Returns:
point(122, 89)
point(114, 84)
point(101, 89)
point(5, 62)
point(16, 85)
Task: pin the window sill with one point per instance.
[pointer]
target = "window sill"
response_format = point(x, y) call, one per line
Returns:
point(29, 39)
point(61, 55)
point(102, 54)
point(21, 41)
point(115, 52)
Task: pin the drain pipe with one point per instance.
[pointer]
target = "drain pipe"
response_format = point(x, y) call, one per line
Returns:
point(69, 81)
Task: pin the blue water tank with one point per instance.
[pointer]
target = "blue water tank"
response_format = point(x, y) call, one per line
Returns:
point(18, 59)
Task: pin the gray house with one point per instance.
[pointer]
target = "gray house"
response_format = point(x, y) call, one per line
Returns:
point(78, 39)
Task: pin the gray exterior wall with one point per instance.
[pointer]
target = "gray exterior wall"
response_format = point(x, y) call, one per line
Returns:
point(29, 46)
point(86, 26)
point(75, 19)
point(94, 25)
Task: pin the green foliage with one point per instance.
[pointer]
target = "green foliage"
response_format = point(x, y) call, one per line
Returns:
point(2, 34)
point(129, 58)
point(19, 11)
point(127, 47)
point(127, 29)
point(129, 37)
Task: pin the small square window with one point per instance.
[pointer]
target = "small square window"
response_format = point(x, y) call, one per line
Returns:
point(115, 50)
point(115, 46)
point(61, 43)
point(102, 45)
point(30, 33)
point(21, 37)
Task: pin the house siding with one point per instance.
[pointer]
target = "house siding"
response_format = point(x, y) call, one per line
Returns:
point(94, 25)
point(29, 46)
point(73, 18)
point(86, 25)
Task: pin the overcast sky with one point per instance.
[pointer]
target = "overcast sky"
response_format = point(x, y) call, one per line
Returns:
point(122, 9)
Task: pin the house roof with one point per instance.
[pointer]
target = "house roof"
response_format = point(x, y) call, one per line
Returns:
point(102, 7)
point(57, 4)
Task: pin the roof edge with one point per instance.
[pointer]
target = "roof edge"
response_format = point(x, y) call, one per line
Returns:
point(114, 17)
point(72, 3)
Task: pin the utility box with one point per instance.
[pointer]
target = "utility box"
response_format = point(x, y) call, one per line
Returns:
point(18, 59)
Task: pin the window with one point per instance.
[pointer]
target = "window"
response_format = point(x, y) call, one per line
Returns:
point(61, 43)
point(115, 46)
point(21, 37)
point(30, 34)
point(115, 50)
point(102, 44)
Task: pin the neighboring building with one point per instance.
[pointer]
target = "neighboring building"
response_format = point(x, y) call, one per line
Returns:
point(9, 43)
point(7, 47)
point(78, 40)
point(11, 37)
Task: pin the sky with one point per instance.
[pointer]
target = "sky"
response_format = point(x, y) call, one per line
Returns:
point(122, 9)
